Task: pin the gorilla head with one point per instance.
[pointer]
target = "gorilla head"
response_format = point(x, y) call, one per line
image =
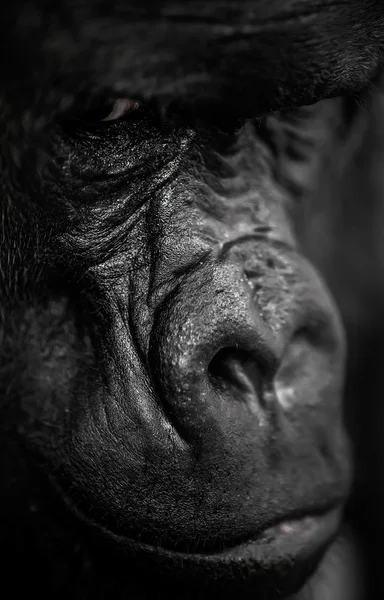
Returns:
point(171, 364)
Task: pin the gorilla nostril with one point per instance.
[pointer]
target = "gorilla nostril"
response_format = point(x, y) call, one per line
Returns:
point(236, 372)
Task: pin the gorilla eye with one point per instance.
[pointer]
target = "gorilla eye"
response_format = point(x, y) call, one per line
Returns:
point(109, 109)
point(120, 107)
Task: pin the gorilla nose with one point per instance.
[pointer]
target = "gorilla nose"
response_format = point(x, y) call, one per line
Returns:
point(210, 352)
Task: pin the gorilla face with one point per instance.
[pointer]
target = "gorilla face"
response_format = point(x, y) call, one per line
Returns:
point(184, 362)
point(169, 357)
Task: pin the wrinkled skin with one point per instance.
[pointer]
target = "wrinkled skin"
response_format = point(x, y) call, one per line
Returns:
point(171, 363)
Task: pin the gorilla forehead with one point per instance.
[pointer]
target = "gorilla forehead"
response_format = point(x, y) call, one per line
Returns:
point(248, 56)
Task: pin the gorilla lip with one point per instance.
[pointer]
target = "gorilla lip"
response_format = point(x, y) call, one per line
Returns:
point(289, 536)
point(297, 535)
point(280, 557)
point(291, 540)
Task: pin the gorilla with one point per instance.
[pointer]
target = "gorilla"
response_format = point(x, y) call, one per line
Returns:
point(171, 359)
